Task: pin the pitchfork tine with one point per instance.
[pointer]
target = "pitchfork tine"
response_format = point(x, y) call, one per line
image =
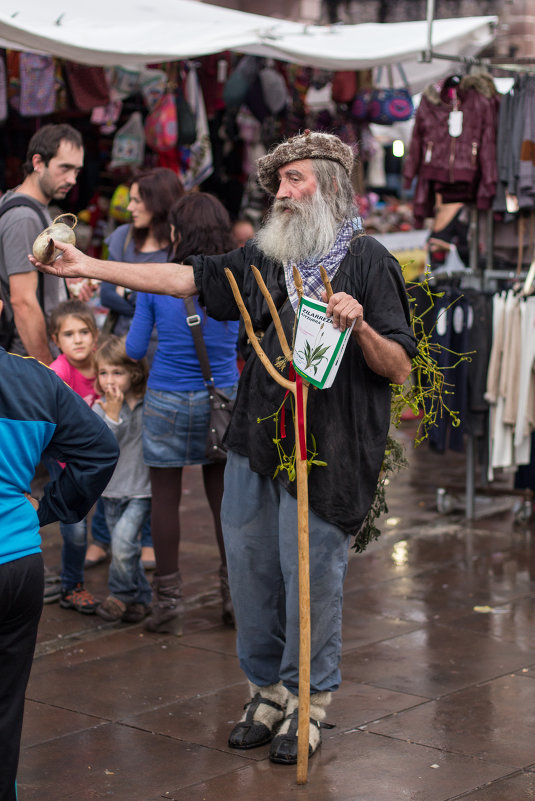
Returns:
point(274, 373)
point(326, 282)
point(274, 313)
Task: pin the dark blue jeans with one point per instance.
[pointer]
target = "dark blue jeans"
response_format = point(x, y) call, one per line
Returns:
point(127, 580)
point(74, 537)
point(101, 534)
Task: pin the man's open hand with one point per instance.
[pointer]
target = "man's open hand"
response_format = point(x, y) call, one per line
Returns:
point(67, 265)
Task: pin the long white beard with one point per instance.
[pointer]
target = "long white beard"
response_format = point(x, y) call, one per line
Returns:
point(306, 232)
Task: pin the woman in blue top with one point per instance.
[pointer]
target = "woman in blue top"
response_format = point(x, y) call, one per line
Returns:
point(176, 410)
point(146, 239)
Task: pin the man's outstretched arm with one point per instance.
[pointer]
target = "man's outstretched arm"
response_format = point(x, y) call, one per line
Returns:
point(162, 279)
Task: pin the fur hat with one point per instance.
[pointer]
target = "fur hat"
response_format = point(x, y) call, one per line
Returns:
point(308, 145)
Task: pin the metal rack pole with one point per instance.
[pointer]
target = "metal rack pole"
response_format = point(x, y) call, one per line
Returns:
point(470, 504)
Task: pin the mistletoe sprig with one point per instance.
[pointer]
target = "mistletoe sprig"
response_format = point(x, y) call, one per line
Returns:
point(394, 459)
point(287, 461)
point(426, 389)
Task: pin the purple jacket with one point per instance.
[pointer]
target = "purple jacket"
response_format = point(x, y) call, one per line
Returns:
point(463, 168)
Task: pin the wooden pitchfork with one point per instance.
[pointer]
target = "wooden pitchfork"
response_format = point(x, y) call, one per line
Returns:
point(300, 398)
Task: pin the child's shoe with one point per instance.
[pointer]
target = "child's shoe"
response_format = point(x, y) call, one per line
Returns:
point(52, 590)
point(79, 599)
point(135, 613)
point(112, 609)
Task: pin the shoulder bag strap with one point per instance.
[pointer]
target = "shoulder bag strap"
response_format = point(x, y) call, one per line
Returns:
point(194, 322)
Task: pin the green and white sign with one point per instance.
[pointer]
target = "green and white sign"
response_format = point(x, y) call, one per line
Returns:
point(319, 346)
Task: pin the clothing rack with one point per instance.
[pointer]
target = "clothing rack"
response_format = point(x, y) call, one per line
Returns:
point(426, 56)
point(485, 277)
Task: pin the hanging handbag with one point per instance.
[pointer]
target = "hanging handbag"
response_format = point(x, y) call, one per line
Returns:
point(389, 105)
point(128, 147)
point(187, 124)
point(88, 86)
point(220, 404)
point(344, 86)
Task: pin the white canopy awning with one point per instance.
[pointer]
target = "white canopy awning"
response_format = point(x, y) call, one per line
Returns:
point(127, 32)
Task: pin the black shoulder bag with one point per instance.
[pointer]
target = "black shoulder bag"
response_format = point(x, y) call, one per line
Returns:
point(220, 405)
point(7, 320)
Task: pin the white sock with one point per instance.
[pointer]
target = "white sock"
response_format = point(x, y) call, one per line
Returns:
point(318, 709)
point(266, 714)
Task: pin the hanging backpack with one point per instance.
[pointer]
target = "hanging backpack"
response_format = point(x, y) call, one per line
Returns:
point(238, 83)
point(37, 90)
point(124, 81)
point(88, 86)
point(153, 85)
point(274, 89)
point(128, 148)
point(344, 86)
point(187, 124)
point(161, 125)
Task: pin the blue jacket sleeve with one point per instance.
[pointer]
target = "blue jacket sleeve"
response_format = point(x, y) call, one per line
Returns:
point(111, 300)
point(89, 449)
point(138, 338)
point(117, 251)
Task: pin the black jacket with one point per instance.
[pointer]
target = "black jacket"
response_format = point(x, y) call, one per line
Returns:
point(350, 420)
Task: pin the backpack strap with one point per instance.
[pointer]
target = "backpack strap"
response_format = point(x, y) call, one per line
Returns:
point(24, 200)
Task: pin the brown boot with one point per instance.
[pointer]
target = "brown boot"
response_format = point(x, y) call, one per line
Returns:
point(228, 609)
point(167, 605)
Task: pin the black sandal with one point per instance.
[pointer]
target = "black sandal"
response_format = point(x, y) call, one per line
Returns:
point(284, 747)
point(250, 733)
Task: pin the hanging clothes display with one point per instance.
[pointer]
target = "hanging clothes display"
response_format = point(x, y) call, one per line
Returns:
point(516, 148)
point(453, 144)
point(511, 381)
point(460, 323)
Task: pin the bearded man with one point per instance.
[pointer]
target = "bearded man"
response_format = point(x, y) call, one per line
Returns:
point(313, 222)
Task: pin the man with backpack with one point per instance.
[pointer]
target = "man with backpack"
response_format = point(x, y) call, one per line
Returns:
point(54, 159)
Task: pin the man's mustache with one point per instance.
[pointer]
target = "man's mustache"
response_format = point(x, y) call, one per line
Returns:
point(287, 205)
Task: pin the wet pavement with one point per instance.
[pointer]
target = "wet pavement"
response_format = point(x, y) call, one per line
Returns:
point(438, 693)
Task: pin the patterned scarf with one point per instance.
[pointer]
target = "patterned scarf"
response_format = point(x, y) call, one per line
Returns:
point(309, 270)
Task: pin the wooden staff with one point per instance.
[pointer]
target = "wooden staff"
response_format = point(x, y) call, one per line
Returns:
point(302, 501)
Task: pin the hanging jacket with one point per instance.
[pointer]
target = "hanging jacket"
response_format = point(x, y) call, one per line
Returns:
point(462, 168)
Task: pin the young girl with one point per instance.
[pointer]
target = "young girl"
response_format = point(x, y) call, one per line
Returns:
point(126, 499)
point(73, 329)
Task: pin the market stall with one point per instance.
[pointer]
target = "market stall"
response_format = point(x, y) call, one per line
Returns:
point(119, 33)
